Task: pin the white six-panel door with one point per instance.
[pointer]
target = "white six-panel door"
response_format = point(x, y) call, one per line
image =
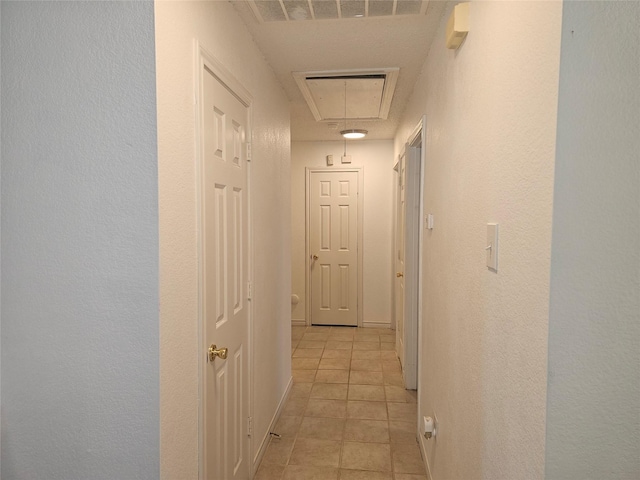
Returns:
point(224, 223)
point(333, 247)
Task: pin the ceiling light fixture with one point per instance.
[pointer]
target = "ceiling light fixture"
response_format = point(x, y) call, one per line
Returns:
point(352, 133)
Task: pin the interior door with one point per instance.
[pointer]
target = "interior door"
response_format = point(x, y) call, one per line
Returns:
point(400, 255)
point(410, 264)
point(333, 246)
point(224, 223)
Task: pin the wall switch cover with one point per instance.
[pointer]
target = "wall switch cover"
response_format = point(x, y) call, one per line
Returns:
point(492, 246)
point(329, 160)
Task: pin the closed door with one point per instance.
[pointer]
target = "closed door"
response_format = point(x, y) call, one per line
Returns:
point(333, 246)
point(224, 224)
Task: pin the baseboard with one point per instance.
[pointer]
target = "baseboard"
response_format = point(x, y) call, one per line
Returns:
point(301, 322)
point(265, 440)
point(376, 325)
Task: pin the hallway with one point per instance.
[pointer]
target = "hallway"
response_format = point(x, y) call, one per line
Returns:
point(348, 416)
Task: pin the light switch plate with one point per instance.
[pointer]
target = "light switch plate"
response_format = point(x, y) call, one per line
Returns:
point(492, 246)
point(329, 160)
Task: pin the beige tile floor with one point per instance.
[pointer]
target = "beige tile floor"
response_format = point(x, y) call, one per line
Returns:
point(348, 416)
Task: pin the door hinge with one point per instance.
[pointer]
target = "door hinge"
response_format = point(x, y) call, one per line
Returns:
point(249, 426)
point(249, 290)
point(248, 151)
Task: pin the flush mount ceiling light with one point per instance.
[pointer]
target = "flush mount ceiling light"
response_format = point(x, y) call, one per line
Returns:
point(353, 133)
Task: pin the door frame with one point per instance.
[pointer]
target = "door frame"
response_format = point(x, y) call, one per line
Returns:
point(394, 248)
point(413, 256)
point(307, 250)
point(204, 58)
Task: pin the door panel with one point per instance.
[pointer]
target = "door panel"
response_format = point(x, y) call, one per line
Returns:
point(411, 261)
point(333, 238)
point(224, 248)
point(400, 245)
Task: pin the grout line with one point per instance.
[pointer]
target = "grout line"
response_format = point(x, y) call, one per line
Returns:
point(348, 385)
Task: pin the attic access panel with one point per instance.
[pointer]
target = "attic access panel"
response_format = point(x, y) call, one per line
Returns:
point(368, 93)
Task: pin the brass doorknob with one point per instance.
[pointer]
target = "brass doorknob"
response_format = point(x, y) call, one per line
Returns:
point(215, 352)
point(399, 274)
point(314, 257)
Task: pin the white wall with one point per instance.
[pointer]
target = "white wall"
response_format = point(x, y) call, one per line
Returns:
point(80, 389)
point(376, 156)
point(220, 31)
point(593, 419)
point(491, 118)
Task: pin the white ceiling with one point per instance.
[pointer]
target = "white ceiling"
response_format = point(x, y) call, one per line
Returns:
point(373, 42)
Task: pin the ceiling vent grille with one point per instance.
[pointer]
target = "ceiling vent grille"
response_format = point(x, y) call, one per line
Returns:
point(348, 95)
point(293, 10)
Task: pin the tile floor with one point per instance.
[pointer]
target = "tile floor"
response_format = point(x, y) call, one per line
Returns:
point(348, 416)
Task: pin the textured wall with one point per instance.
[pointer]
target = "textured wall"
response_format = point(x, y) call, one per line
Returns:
point(593, 416)
point(377, 159)
point(220, 31)
point(490, 147)
point(80, 389)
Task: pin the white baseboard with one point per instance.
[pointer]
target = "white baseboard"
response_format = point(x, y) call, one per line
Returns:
point(265, 440)
point(301, 322)
point(375, 325)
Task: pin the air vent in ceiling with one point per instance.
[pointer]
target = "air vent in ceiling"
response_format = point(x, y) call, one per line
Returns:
point(291, 10)
point(368, 93)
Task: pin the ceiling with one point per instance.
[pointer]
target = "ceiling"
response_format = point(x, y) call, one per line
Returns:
point(330, 46)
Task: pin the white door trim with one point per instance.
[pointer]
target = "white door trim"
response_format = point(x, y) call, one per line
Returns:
point(413, 258)
point(307, 251)
point(204, 59)
point(394, 248)
point(418, 139)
